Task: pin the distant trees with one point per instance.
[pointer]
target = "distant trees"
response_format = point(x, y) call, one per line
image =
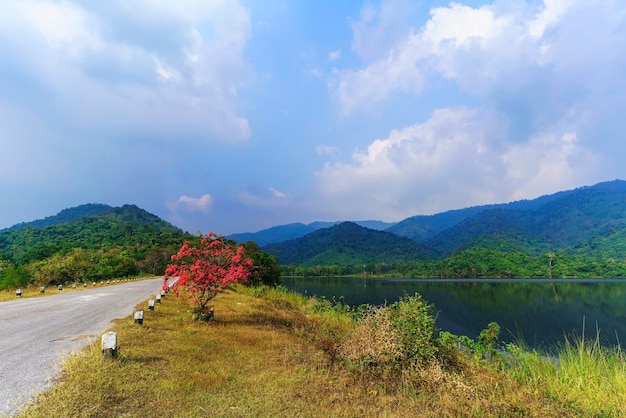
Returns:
point(12, 276)
point(480, 263)
point(267, 270)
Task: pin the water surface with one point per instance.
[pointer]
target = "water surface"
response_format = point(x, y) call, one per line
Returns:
point(543, 312)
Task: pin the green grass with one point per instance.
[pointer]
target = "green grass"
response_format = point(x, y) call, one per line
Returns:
point(582, 373)
point(273, 353)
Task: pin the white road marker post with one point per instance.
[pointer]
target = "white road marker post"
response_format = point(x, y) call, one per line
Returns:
point(139, 317)
point(109, 344)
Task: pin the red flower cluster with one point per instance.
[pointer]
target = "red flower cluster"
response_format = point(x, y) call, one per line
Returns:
point(206, 271)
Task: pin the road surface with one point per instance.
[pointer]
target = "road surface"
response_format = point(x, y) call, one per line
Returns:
point(37, 333)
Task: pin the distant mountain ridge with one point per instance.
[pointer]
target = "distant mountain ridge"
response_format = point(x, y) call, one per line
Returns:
point(348, 244)
point(587, 220)
point(560, 222)
point(296, 230)
point(66, 215)
point(422, 228)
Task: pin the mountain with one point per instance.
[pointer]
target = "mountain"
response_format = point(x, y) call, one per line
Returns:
point(296, 230)
point(66, 215)
point(575, 221)
point(348, 244)
point(589, 220)
point(94, 227)
point(421, 228)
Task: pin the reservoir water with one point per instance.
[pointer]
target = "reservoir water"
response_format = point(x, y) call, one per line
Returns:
point(542, 312)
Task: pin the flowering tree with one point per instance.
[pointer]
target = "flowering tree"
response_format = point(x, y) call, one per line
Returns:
point(207, 270)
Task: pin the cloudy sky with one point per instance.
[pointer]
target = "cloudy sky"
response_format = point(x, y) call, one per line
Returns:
point(228, 116)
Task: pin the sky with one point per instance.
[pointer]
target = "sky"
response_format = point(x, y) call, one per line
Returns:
point(235, 116)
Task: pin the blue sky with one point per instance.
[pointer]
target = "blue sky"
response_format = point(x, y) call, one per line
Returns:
point(229, 116)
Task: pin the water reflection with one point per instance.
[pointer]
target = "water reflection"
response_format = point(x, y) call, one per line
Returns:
point(541, 311)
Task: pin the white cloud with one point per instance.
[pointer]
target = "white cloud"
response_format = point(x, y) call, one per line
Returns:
point(326, 150)
point(159, 69)
point(544, 81)
point(550, 13)
point(460, 25)
point(191, 204)
point(58, 23)
point(165, 72)
point(379, 27)
point(277, 193)
point(547, 163)
point(455, 159)
point(334, 55)
point(263, 197)
point(504, 45)
point(366, 87)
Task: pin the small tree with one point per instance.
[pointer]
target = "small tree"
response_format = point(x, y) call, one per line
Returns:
point(267, 270)
point(206, 270)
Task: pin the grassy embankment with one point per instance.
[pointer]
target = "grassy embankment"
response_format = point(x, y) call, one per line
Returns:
point(271, 353)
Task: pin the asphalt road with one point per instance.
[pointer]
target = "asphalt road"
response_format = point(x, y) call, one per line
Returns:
point(37, 333)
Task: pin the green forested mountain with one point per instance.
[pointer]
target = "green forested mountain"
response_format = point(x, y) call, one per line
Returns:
point(560, 220)
point(576, 233)
point(89, 242)
point(348, 244)
point(66, 215)
point(588, 220)
point(569, 222)
point(125, 226)
point(296, 230)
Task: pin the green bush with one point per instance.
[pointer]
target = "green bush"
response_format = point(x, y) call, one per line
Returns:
point(488, 339)
point(414, 320)
point(13, 277)
point(448, 346)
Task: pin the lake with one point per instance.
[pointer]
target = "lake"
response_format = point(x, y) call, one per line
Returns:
point(542, 312)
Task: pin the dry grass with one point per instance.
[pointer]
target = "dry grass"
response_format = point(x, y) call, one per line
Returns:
point(373, 342)
point(267, 357)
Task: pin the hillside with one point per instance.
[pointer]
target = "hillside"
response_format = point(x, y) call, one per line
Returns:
point(422, 228)
point(348, 244)
point(563, 219)
point(569, 222)
point(66, 215)
point(587, 221)
point(296, 230)
point(88, 227)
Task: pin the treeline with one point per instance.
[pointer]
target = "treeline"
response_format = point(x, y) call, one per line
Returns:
point(480, 263)
point(116, 243)
point(85, 265)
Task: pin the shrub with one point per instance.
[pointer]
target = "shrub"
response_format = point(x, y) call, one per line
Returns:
point(448, 346)
point(488, 338)
point(374, 342)
point(414, 321)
